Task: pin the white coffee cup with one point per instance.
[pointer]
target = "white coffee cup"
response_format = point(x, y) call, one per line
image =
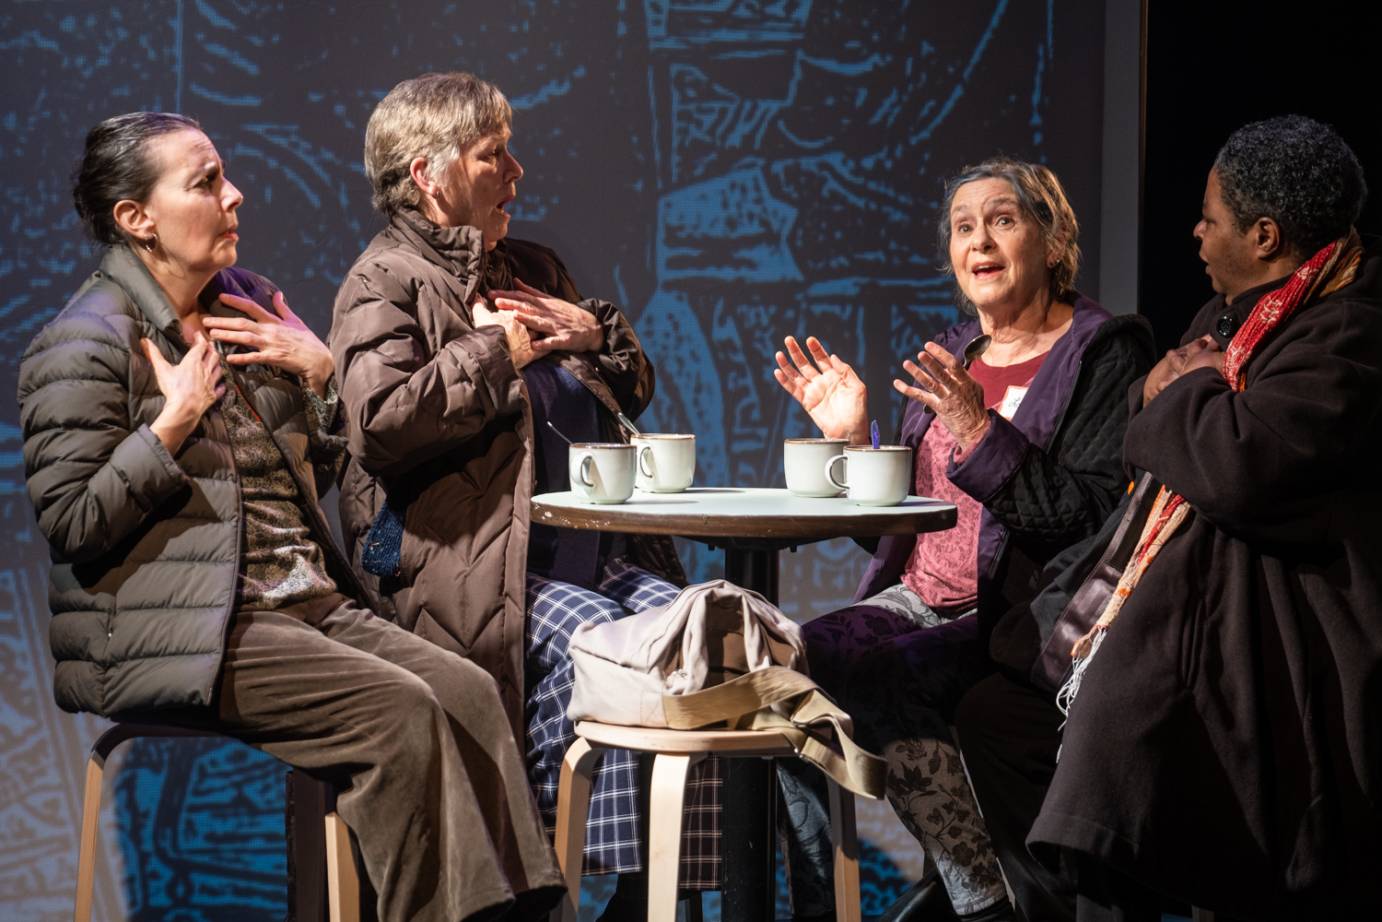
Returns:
point(873, 476)
point(666, 463)
point(602, 472)
point(803, 463)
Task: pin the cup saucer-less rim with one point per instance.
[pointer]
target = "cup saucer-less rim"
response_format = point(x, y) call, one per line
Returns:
point(881, 448)
point(611, 446)
point(664, 436)
point(815, 441)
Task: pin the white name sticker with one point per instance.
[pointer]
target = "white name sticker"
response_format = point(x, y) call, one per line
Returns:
point(1011, 401)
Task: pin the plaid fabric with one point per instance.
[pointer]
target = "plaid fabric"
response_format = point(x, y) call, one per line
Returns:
point(616, 830)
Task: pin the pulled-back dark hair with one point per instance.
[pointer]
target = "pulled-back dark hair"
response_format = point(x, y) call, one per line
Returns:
point(1296, 171)
point(116, 165)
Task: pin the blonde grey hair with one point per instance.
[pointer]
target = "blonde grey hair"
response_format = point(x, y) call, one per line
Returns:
point(1042, 198)
point(434, 116)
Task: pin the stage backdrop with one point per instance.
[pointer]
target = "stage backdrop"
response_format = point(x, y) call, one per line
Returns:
point(729, 171)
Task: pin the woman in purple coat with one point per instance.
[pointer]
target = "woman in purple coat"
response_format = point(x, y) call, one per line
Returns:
point(1026, 441)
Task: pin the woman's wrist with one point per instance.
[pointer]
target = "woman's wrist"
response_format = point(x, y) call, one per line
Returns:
point(174, 424)
point(856, 432)
point(318, 376)
point(968, 437)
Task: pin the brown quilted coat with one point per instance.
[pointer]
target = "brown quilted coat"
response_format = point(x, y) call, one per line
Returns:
point(439, 420)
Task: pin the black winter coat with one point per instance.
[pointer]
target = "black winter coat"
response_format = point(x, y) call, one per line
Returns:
point(1226, 743)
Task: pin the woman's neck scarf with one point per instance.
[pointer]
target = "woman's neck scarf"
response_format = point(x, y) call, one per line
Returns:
point(1333, 267)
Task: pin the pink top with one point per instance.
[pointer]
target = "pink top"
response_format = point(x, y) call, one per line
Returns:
point(943, 566)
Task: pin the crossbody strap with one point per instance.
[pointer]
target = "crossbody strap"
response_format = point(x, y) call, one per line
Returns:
point(785, 701)
point(1089, 600)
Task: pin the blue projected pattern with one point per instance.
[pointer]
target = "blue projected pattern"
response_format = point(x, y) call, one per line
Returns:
point(728, 170)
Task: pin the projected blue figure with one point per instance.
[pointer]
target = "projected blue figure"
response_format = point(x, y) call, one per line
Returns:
point(728, 170)
point(801, 160)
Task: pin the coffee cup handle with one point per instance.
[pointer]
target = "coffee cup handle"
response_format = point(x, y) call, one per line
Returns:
point(645, 455)
point(830, 472)
point(583, 471)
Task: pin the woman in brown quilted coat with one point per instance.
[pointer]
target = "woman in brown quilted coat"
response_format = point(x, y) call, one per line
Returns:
point(455, 346)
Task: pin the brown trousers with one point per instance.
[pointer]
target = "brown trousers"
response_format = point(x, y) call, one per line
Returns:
point(432, 783)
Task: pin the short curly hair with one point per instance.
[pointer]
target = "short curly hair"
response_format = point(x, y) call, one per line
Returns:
point(1296, 171)
point(434, 116)
point(1042, 198)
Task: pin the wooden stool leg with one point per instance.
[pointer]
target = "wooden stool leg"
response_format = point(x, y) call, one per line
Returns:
point(664, 834)
point(1201, 915)
point(573, 810)
point(91, 822)
point(342, 881)
point(845, 839)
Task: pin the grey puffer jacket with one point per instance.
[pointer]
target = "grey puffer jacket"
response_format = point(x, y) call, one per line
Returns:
point(146, 547)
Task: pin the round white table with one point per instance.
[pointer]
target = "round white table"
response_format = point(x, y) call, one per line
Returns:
point(752, 524)
point(767, 514)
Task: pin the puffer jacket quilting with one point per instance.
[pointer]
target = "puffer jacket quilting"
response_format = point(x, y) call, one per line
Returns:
point(440, 423)
point(145, 547)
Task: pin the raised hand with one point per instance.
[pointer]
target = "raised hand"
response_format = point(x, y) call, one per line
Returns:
point(189, 389)
point(520, 342)
point(279, 339)
point(827, 388)
point(943, 385)
point(562, 325)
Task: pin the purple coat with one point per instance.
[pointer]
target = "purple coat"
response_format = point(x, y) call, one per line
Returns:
point(1050, 476)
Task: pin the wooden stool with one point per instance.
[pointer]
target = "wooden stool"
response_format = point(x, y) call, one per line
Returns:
point(343, 885)
point(674, 752)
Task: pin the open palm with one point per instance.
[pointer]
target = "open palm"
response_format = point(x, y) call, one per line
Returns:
point(826, 387)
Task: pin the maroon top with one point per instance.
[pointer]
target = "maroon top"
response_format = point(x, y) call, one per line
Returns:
point(943, 567)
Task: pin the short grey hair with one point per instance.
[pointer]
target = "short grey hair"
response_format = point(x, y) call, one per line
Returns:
point(1042, 198)
point(1299, 173)
point(434, 116)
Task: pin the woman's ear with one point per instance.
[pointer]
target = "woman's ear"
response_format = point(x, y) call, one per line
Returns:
point(134, 220)
point(1266, 238)
point(1053, 252)
point(421, 174)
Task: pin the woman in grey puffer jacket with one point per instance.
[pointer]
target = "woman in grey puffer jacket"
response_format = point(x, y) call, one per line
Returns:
point(177, 420)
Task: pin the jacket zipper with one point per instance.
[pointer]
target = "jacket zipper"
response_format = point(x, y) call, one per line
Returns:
point(223, 434)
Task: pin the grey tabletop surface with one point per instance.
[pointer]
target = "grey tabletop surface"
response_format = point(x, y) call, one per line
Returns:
point(761, 512)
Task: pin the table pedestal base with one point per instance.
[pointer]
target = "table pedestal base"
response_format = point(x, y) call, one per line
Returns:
point(749, 796)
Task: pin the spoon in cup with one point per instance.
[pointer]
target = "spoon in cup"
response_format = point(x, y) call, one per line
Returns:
point(627, 424)
point(563, 435)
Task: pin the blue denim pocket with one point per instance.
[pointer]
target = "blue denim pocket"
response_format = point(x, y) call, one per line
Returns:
point(384, 542)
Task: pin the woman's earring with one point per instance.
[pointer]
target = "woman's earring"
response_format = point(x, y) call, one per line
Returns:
point(150, 244)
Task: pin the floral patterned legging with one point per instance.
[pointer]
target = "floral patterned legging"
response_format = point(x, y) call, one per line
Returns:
point(899, 669)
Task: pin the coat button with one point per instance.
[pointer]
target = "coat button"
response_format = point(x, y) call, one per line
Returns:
point(1226, 325)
